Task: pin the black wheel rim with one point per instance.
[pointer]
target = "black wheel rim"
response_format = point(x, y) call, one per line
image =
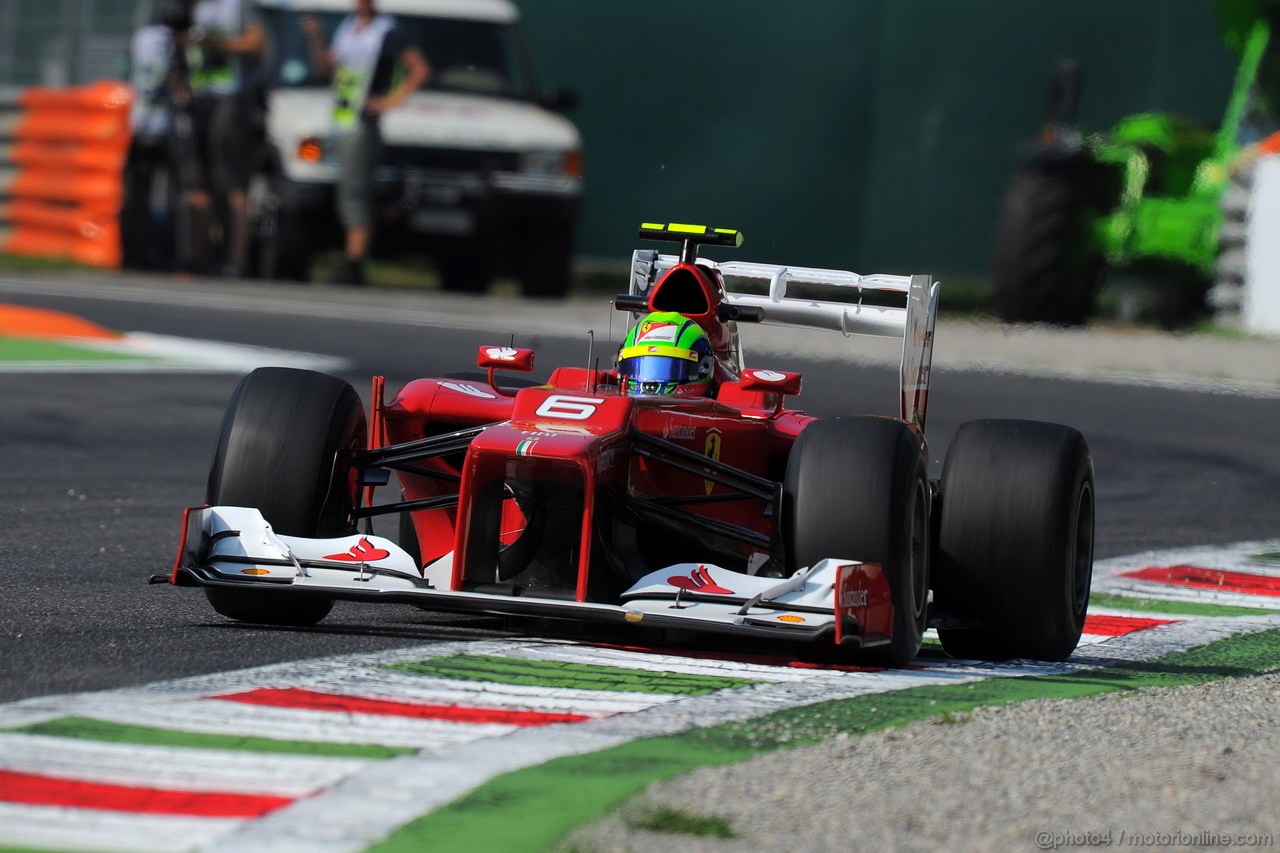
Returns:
point(919, 553)
point(1082, 552)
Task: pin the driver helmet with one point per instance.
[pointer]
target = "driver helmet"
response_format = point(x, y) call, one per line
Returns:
point(666, 353)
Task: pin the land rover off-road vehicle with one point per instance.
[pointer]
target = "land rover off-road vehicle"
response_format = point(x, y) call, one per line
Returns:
point(476, 169)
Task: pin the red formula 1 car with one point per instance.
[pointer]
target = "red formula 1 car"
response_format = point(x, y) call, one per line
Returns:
point(724, 512)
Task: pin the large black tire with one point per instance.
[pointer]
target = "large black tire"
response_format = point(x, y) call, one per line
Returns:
point(465, 266)
point(282, 449)
point(1014, 556)
point(856, 489)
point(545, 262)
point(1043, 268)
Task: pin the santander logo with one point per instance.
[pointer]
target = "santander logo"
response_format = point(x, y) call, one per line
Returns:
point(361, 552)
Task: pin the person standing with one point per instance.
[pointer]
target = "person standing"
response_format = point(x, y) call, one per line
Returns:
point(374, 69)
point(223, 47)
point(157, 76)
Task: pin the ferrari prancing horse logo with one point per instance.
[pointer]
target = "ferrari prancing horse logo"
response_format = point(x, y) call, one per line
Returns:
point(712, 450)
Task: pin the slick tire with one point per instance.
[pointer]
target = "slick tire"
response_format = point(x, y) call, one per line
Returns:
point(284, 449)
point(856, 488)
point(1014, 558)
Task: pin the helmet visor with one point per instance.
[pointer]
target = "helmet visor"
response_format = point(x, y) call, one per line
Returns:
point(649, 369)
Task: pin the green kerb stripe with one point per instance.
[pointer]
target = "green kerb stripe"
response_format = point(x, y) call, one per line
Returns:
point(529, 810)
point(22, 349)
point(582, 676)
point(90, 729)
point(1178, 608)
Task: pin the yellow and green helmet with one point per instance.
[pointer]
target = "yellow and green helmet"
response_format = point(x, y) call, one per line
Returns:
point(666, 353)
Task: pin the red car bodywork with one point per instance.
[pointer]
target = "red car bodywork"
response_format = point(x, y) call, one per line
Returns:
point(580, 432)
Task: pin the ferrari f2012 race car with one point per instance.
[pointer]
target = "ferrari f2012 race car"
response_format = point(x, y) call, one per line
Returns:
point(622, 496)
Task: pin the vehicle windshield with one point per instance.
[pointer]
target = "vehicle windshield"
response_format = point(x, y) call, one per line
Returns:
point(478, 57)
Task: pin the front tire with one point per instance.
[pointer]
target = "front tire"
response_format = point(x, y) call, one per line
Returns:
point(284, 448)
point(856, 489)
point(546, 255)
point(1015, 541)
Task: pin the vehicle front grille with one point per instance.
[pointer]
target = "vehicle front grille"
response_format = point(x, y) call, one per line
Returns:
point(404, 157)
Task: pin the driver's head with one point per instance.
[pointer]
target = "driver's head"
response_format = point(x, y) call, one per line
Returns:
point(666, 353)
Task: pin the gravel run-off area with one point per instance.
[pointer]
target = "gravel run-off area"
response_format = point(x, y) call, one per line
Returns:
point(1158, 768)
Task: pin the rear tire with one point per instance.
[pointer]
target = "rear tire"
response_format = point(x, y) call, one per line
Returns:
point(282, 449)
point(856, 489)
point(1015, 540)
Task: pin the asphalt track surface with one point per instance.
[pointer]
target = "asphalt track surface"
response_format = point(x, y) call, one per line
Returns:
point(95, 468)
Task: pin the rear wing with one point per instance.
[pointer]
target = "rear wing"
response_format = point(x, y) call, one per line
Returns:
point(913, 321)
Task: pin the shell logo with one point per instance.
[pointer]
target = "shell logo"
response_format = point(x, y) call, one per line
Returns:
point(790, 617)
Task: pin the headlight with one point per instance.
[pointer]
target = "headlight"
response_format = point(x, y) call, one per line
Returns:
point(310, 150)
point(553, 163)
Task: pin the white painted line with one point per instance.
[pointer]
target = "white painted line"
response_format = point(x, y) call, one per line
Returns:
point(658, 662)
point(89, 830)
point(239, 719)
point(516, 697)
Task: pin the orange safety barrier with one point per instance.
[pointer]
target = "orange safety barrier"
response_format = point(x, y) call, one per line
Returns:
point(62, 155)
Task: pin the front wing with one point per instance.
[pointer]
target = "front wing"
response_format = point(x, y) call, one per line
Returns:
point(837, 600)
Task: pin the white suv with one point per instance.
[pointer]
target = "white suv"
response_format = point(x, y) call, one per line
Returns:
point(476, 169)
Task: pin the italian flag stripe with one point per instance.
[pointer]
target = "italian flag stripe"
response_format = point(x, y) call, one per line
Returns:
point(554, 674)
point(311, 700)
point(39, 790)
point(1214, 579)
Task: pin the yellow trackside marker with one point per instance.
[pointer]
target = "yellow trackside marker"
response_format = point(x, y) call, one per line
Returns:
point(677, 228)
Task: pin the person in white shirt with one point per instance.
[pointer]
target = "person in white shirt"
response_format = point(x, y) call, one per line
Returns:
point(365, 57)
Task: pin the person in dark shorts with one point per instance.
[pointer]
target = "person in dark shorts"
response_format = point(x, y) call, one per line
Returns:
point(157, 73)
point(374, 69)
point(223, 46)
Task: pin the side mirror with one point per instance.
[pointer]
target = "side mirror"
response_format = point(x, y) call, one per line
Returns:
point(505, 358)
point(773, 381)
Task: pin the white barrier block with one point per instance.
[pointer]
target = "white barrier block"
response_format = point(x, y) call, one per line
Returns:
point(1262, 267)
